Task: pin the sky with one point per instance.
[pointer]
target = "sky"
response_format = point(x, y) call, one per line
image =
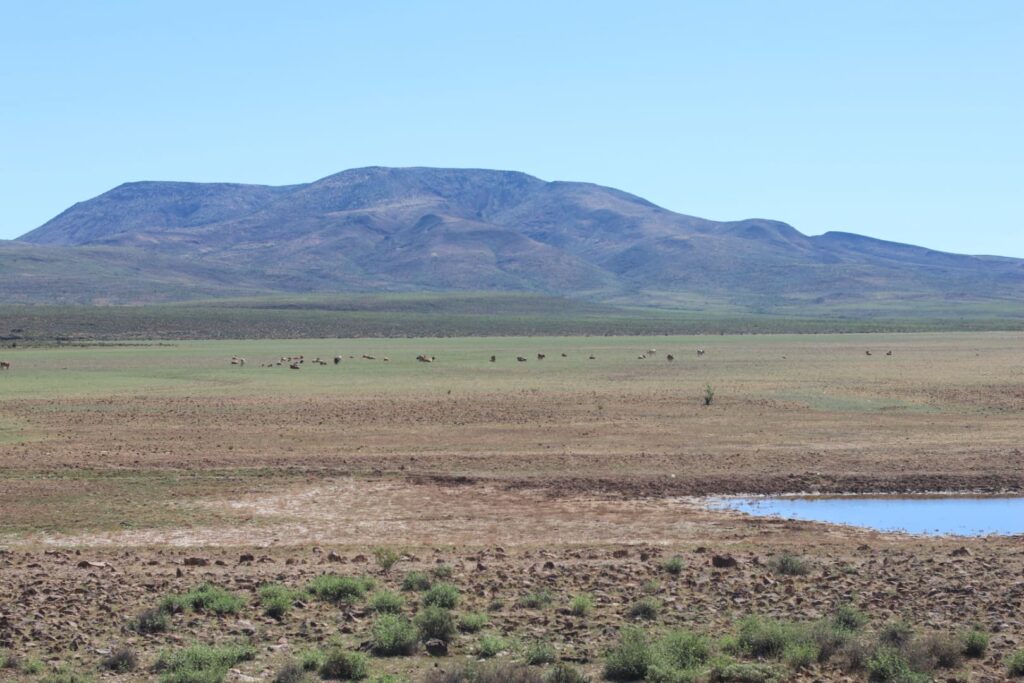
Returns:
point(899, 120)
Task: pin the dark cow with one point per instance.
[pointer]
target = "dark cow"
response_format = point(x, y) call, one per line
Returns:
point(670, 358)
point(5, 365)
point(520, 359)
point(494, 358)
point(540, 356)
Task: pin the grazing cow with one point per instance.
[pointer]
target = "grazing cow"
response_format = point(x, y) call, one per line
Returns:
point(385, 359)
point(593, 357)
point(494, 358)
point(565, 355)
point(424, 358)
point(700, 352)
point(642, 356)
point(867, 353)
point(670, 358)
point(5, 365)
point(521, 359)
point(888, 353)
point(651, 352)
point(337, 359)
point(369, 357)
point(540, 356)
point(294, 366)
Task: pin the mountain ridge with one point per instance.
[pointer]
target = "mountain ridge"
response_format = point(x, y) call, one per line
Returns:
point(420, 228)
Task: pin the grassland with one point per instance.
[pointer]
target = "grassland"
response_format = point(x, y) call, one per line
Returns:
point(134, 472)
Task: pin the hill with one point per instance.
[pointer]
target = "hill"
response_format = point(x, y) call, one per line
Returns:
point(425, 229)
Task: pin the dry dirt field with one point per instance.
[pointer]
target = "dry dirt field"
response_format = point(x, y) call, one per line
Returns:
point(132, 472)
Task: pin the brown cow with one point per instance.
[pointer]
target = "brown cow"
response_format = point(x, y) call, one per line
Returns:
point(5, 365)
point(540, 356)
point(670, 358)
point(337, 359)
point(294, 366)
point(520, 359)
point(494, 358)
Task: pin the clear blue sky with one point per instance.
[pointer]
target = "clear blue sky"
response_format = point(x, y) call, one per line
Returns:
point(901, 120)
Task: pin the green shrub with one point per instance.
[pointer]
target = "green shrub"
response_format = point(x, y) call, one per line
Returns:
point(683, 650)
point(442, 595)
point(340, 664)
point(66, 674)
point(936, 651)
point(121, 660)
point(830, 638)
point(1015, 664)
point(435, 622)
point(386, 602)
point(645, 608)
point(888, 666)
point(849, 617)
point(393, 635)
point(201, 663)
point(537, 600)
point(386, 557)
point(276, 600)
point(896, 633)
point(150, 621)
point(630, 658)
point(539, 652)
point(292, 672)
point(565, 673)
point(975, 643)
point(338, 589)
point(650, 586)
point(490, 644)
point(789, 565)
point(471, 622)
point(495, 605)
point(582, 605)
point(442, 571)
point(729, 671)
point(799, 655)
point(205, 597)
point(32, 666)
point(311, 659)
point(766, 638)
point(491, 672)
point(659, 672)
point(416, 581)
point(673, 565)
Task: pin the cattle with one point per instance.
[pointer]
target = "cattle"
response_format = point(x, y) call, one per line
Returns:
point(236, 360)
point(521, 359)
point(368, 357)
point(337, 359)
point(494, 358)
point(540, 356)
point(700, 352)
point(386, 359)
point(294, 366)
point(670, 358)
point(424, 358)
point(867, 353)
point(642, 356)
point(651, 352)
point(5, 365)
point(593, 357)
point(565, 355)
point(888, 353)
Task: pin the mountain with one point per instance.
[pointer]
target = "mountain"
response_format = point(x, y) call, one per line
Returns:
point(428, 229)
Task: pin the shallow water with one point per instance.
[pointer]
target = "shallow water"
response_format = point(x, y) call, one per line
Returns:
point(917, 515)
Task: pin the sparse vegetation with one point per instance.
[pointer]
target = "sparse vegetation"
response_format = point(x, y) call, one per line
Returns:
point(471, 622)
point(673, 565)
point(887, 665)
point(582, 605)
point(386, 602)
point(565, 673)
point(337, 589)
point(292, 672)
point(386, 557)
point(416, 581)
point(539, 652)
point(442, 572)
point(201, 663)
point(121, 659)
point(789, 565)
point(435, 622)
point(975, 643)
point(490, 645)
point(150, 621)
point(537, 600)
point(344, 665)
point(443, 595)
point(66, 674)
point(277, 600)
point(393, 635)
point(709, 394)
point(645, 609)
point(630, 658)
point(206, 598)
point(1015, 664)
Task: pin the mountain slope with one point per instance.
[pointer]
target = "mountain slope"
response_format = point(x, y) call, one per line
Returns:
point(387, 229)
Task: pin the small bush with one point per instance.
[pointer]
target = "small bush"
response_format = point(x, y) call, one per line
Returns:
point(386, 558)
point(293, 672)
point(495, 605)
point(709, 394)
point(205, 597)
point(311, 659)
point(122, 660)
point(537, 599)
point(799, 655)
point(276, 600)
point(539, 652)
point(789, 565)
point(673, 565)
point(975, 643)
point(386, 602)
point(582, 605)
point(729, 671)
point(201, 663)
point(830, 638)
point(564, 673)
point(849, 617)
point(150, 621)
point(435, 622)
point(645, 608)
point(631, 657)
point(66, 674)
point(442, 572)
point(442, 595)
point(416, 581)
point(888, 666)
point(490, 644)
point(337, 589)
point(471, 622)
point(487, 673)
point(650, 586)
point(683, 650)
point(939, 651)
point(766, 638)
point(32, 666)
point(340, 664)
point(896, 634)
point(393, 635)
point(1015, 664)
point(662, 673)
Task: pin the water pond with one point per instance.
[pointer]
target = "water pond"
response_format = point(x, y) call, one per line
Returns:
point(956, 515)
